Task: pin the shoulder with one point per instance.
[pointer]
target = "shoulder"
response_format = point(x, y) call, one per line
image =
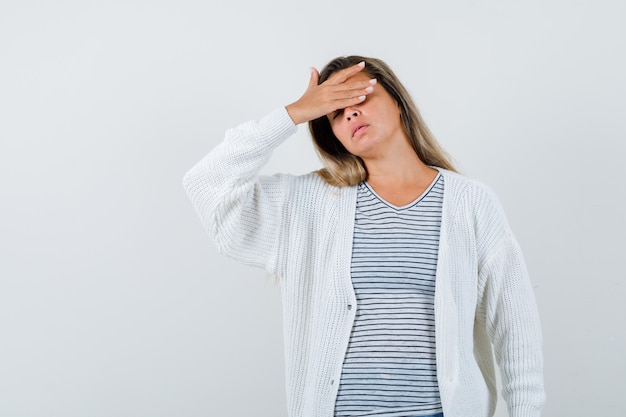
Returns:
point(475, 207)
point(461, 188)
point(471, 199)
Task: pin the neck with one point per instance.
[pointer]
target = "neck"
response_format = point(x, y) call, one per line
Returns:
point(398, 166)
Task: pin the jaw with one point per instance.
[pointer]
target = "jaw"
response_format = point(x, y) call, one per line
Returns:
point(395, 147)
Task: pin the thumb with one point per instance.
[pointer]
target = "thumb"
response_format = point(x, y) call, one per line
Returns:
point(315, 76)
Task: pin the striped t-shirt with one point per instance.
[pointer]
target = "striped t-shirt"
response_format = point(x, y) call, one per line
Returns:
point(389, 369)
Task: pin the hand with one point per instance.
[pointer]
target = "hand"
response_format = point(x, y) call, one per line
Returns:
point(337, 92)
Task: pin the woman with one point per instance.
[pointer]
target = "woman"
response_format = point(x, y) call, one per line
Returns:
point(400, 278)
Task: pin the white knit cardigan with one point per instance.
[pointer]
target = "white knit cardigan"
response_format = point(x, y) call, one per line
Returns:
point(299, 229)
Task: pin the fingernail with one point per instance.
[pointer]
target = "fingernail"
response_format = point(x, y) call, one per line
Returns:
point(369, 89)
point(373, 81)
point(361, 98)
point(361, 64)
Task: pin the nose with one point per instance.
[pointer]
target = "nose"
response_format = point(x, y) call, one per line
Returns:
point(351, 113)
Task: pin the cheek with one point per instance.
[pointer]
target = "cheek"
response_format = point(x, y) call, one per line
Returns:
point(341, 137)
point(339, 130)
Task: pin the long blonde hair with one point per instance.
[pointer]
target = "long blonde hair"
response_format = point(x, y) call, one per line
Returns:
point(341, 168)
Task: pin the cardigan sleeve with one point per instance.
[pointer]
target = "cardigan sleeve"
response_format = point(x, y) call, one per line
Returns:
point(240, 209)
point(508, 304)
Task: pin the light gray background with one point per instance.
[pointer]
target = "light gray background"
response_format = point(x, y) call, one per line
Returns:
point(113, 301)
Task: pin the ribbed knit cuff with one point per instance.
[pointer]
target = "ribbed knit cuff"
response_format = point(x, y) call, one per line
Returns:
point(524, 411)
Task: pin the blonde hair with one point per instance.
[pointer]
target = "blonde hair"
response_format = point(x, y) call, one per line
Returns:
point(341, 168)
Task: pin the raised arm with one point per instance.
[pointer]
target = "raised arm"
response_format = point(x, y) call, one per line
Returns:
point(242, 211)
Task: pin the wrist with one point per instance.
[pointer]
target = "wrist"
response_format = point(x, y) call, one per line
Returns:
point(295, 114)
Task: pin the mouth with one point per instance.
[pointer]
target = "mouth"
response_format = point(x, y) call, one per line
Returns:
point(359, 129)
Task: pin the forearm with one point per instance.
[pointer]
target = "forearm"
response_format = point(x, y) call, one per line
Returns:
point(238, 210)
point(238, 159)
point(514, 327)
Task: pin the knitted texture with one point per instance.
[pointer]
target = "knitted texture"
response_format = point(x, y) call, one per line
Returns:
point(300, 229)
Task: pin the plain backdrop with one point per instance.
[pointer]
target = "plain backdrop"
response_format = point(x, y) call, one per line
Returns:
point(113, 300)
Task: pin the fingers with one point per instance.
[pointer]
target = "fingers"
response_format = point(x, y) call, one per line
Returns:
point(342, 75)
point(347, 102)
point(335, 93)
point(353, 89)
point(315, 76)
point(359, 94)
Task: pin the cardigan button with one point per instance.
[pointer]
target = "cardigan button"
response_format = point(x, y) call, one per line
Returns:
point(349, 306)
point(332, 382)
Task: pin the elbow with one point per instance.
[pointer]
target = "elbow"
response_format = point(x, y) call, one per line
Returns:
point(189, 179)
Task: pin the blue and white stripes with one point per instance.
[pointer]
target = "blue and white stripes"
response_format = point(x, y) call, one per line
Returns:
point(390, 369)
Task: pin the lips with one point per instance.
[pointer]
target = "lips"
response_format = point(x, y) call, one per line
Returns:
point(358, 129)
